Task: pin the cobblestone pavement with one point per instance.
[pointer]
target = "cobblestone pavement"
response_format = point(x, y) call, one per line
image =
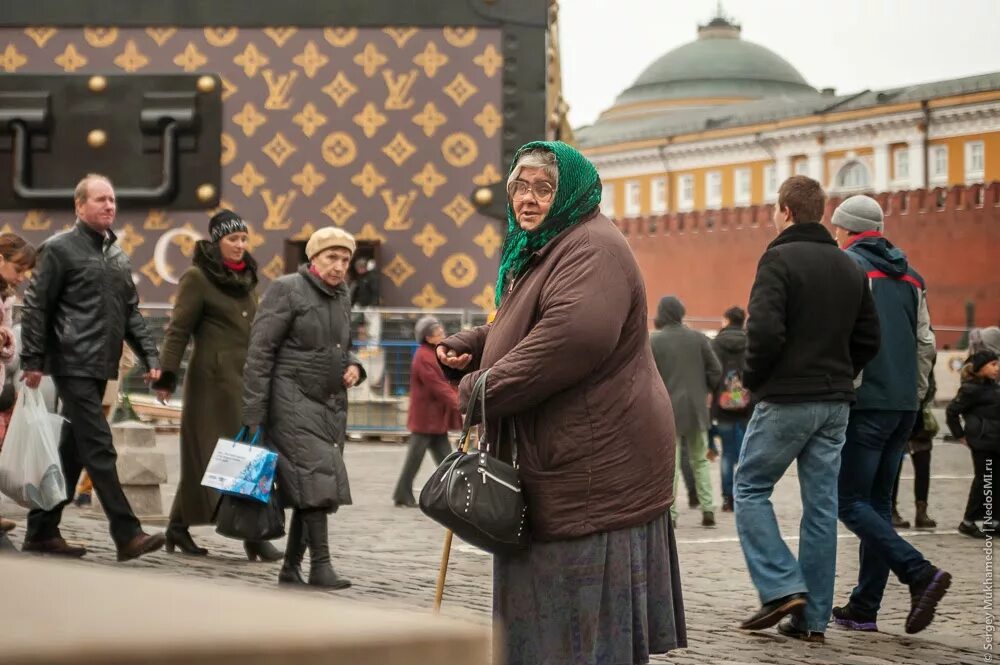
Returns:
point(392, 555)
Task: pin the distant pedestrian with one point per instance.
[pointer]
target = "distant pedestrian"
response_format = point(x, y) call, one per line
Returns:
point(691, 372)
point(731, 406)
point(919, 445)
point(433, 409)
point(812, 328)
point(974, 420)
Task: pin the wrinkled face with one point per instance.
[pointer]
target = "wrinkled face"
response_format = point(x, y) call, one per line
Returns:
point(233, 246)
point(332, 265)
point(98, 210)
point(435, 336)
point(12, 272)
point(990, 370)
point(531, 196)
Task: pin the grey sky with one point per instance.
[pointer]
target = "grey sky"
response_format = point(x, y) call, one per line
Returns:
point(849, 45)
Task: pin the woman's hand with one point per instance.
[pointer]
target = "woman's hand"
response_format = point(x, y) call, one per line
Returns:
point(351, 376)
point(449, 358)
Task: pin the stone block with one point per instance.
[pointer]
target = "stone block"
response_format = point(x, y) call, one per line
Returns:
point(154, 619)
point(146, 500)
point(141, 467)
point(133, 434)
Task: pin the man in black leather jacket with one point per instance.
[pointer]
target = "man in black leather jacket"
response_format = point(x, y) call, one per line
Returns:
point(80, 306)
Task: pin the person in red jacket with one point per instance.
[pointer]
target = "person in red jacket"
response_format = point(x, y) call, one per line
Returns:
point(433, 409)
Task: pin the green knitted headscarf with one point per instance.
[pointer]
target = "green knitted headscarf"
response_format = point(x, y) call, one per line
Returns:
point(578, 193)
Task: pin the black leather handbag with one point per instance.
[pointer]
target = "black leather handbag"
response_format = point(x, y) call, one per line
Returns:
point(249, 519)
point(474, 493)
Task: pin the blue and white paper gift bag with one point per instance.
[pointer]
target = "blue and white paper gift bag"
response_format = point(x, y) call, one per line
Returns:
point(241, 469)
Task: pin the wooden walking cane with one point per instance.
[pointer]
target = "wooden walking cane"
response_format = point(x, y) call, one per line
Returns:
point(463, 446)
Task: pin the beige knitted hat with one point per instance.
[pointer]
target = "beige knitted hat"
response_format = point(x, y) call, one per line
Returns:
point(327, 237)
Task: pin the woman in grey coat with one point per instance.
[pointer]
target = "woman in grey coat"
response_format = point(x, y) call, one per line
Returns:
point(298, 370)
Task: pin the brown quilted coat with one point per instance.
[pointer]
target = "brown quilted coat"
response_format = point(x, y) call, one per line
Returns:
point(571, 366)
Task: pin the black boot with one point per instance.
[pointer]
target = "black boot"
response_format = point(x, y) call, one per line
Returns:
point(261, 550)
point(179, 537)
point(321, 573)
point(291, 569)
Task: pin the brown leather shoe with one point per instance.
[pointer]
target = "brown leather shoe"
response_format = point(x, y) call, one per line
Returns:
point(56, 546)
point(144, 543)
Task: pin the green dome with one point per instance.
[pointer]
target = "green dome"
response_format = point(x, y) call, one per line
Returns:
point(717, 64)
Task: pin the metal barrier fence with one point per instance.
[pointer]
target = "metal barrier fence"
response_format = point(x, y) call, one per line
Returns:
point(384, 342)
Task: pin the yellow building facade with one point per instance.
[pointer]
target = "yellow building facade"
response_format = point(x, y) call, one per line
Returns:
point(721, 122)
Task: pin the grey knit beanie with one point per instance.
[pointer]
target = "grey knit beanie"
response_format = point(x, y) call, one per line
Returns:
point(424, 327)
point(859, 213)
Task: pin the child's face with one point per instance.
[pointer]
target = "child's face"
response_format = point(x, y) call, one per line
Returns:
point(990, 370)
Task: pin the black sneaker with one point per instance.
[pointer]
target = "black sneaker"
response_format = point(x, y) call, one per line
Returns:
point(924, 598)
point(847, 617)
point(708, 518)
point(971, 530)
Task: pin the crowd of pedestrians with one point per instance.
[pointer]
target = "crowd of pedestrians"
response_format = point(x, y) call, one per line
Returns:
point(830, 367)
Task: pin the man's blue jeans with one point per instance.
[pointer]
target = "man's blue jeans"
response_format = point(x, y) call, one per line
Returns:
point(778, 434)
point(732, 442)
point(876, 443)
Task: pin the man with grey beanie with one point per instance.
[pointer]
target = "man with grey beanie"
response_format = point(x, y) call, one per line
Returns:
point(888, 399)
point(433, 409)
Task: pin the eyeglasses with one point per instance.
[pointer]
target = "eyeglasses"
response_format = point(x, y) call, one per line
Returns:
point(541, 191)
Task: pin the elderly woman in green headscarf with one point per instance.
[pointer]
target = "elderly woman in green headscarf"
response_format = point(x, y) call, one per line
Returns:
point(571, 371)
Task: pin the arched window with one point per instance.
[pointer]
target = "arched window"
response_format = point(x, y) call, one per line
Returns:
point(853, 175)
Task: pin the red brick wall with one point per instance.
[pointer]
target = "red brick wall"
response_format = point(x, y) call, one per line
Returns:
point(708, 258)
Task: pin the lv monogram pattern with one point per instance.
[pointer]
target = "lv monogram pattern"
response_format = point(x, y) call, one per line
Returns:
point(385, 133)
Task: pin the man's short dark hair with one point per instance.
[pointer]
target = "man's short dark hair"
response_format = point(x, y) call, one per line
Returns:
point(736, 316)
point(804, 198)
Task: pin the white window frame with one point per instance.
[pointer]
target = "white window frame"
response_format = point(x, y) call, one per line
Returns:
point(938, 176)
point(685, 192)
point(742, 186)
point(800, 166)
point(855, 166)
point(633, 200)
point(658, 196)
point(974, 172)
point(901, 155)
point(770, 182)
point(608, 199)
point(713, 190)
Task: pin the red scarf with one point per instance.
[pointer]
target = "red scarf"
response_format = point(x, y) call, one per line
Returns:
point(235, 266)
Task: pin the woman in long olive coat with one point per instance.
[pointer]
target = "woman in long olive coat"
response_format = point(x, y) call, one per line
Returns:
point(216, 304)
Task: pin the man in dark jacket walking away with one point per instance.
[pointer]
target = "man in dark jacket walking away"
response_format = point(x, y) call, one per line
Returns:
point(690, 371)
point(731, 407)
point(80, 306)
point(888, 399)
point(812, 329)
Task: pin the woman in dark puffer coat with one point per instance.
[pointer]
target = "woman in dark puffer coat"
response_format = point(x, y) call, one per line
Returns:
point(298, 370)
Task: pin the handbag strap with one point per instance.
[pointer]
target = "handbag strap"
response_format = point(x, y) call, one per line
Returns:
point(479, 393)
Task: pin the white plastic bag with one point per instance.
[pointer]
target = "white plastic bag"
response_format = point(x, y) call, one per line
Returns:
point(30, 471)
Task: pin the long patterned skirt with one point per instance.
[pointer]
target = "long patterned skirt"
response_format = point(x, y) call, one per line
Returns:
point(611, 598)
